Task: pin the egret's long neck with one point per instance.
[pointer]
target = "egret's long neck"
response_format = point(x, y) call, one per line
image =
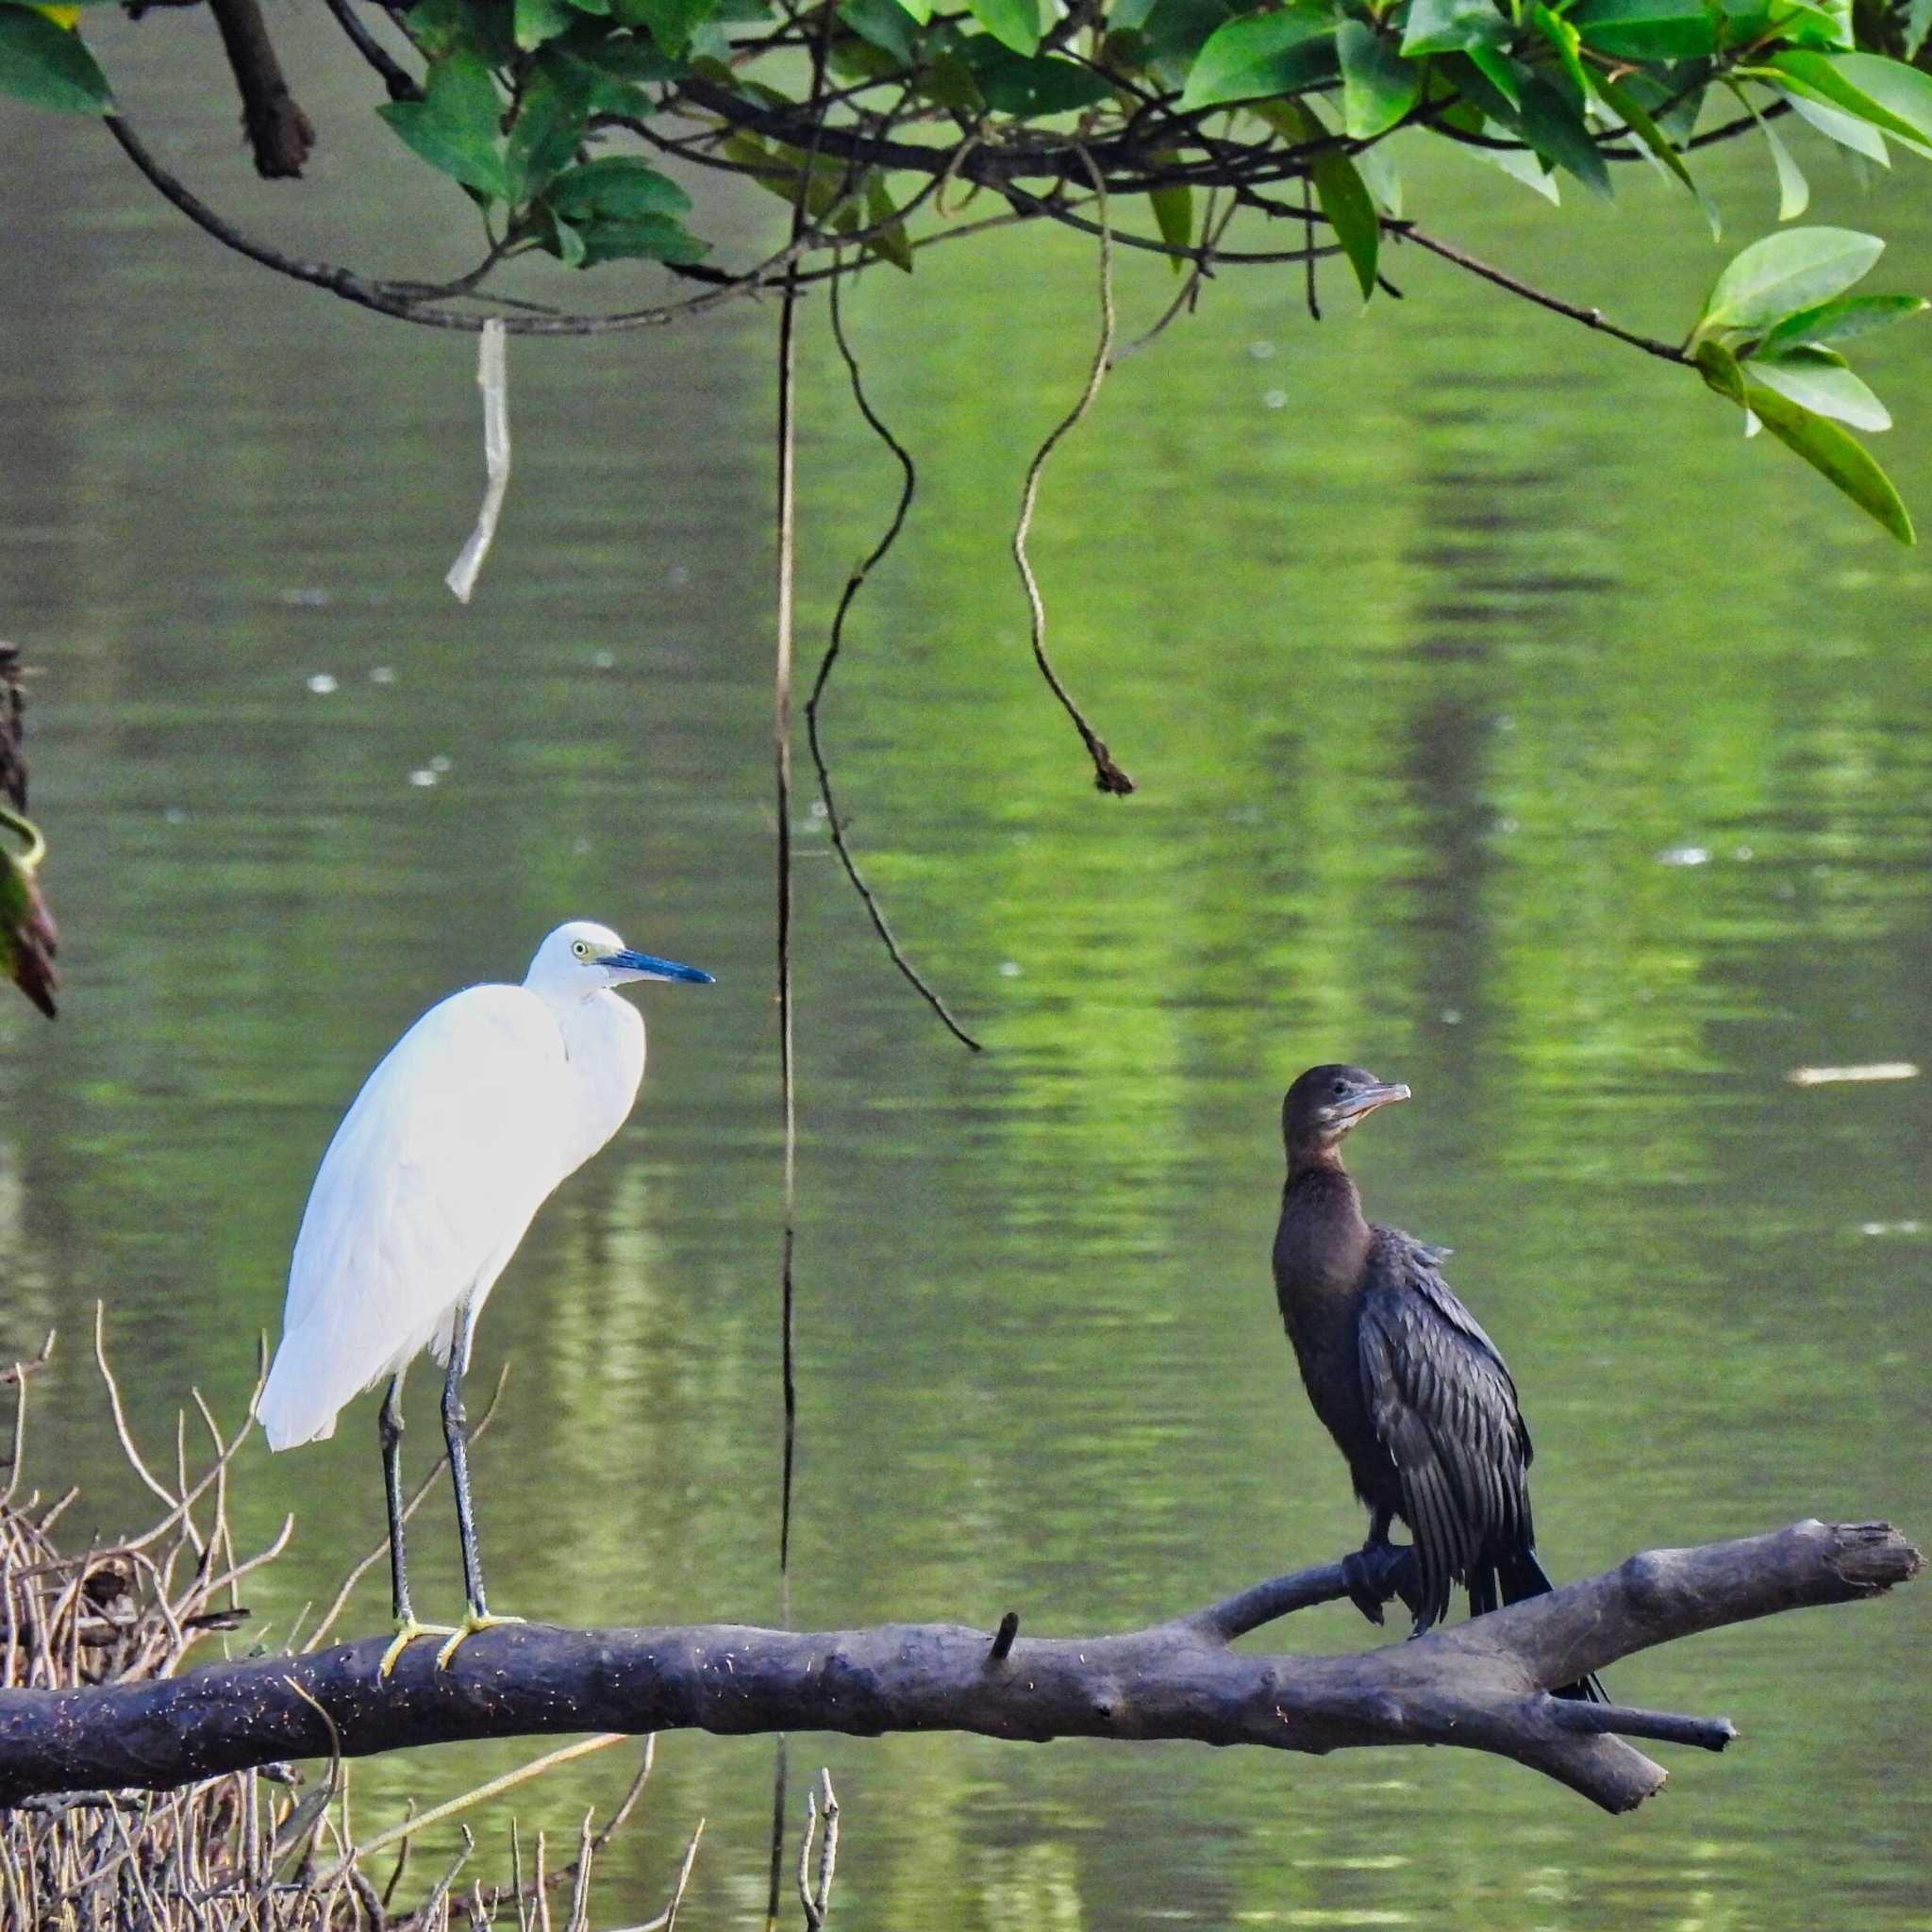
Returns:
point(603, 1043)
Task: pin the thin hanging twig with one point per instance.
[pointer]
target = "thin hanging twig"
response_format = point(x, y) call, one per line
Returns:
point(834, 821)
point(781, 749)
point(1108, 775)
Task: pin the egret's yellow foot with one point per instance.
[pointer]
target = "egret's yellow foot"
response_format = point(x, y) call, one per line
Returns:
point(476, 1620)
point(407, 1630)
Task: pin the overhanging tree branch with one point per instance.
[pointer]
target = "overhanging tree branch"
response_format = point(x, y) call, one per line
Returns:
point(1483, 1684)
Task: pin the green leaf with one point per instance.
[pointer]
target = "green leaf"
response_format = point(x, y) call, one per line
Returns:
point(1557, 130)
point(890, 243)
point(1010, 84)
point(1518, 164)
point(454, 128)
point(1834, 453)
point(669, 22)
point(537, 21)
point(1262, 55)
point(1887, 93)
point(948, 82)
point(1821, 23)
point(920, 9)
point(455, 27)
point(1351, 212)
point(1451, 27)
point(1819, 380)
point(545, 135)
point(1918, 24)
point(1622, 104)
point(1836, 124)
point(49, 66)
point(1794, 269)
point(1752, 23)
point(1176, 30)
point(616, 188)
point(1381, 177)
point(1839, 321)
point(885, 25)
point(1174, 213)
point(1721, 370)
point(564, 242)
point(647, 238)
point(1793, 191)
point(1646, 30)
point(1378, 86)
point(1014, 24)
point(1564, 37)
point(1489, 81)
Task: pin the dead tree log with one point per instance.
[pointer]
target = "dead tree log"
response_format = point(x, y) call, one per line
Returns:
point(1483, 1684)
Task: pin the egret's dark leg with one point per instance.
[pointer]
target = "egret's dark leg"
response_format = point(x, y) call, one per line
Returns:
point(455, 1432)
point(390, 1426)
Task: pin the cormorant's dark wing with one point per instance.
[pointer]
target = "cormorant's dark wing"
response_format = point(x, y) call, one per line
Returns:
point(1445, 1407)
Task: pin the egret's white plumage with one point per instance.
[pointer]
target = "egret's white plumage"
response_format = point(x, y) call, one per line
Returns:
point(457, 1139)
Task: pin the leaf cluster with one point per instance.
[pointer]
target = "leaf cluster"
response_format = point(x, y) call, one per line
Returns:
point(1189, 110)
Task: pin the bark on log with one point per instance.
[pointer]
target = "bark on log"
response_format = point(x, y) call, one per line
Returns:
point(1482, 1684)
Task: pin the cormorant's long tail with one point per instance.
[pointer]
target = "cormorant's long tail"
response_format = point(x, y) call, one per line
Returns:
point(1510, 1581)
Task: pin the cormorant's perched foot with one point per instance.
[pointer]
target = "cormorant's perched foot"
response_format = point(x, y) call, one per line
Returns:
point(1379, 1571)
point(407, 1630)
point(473, 1620)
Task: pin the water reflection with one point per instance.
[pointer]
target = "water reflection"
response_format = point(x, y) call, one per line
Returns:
point(1431, 674)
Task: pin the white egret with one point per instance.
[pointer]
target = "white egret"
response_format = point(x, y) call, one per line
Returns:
point(457, 1139)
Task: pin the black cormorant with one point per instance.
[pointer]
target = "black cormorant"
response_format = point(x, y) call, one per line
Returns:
point(1417, 1397)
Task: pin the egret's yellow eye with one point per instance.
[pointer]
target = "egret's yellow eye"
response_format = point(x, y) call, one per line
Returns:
point(581, 948)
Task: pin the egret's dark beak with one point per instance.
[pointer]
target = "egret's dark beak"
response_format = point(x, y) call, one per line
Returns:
point(1365, 1100)
point(645, 966)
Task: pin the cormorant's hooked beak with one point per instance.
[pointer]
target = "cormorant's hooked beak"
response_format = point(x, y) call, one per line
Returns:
point(645, 966)
point(1364, 1101)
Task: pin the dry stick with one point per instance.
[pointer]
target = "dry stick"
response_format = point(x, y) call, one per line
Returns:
point(834, 821)
point(1108, 776)
point(667, 1920)
point(127, 1448)
point(408, 1828)
point(213, 1476)
point(495, 1895)
point(18, 1375)
point(817, 1900)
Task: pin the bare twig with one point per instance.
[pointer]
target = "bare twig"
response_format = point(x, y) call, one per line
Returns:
point(816, 1896)
point(1591, 317)
point(834, 820)
point(1108, 775)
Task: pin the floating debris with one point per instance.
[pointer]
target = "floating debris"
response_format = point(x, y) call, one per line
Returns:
point(1876, 1070)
